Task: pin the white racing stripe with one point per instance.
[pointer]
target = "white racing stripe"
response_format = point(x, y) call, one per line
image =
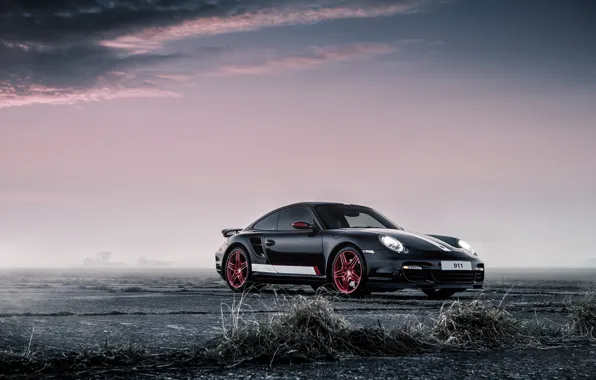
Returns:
point(427, 240)
point(290, 269)
point(264, 268)
point(283, 269)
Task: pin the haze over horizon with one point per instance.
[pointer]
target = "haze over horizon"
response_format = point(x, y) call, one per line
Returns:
point(145, 130)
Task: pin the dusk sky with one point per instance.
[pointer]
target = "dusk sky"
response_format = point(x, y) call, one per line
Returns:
point(146, 127)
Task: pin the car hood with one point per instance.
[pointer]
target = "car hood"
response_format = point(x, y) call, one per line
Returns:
point(410, 239)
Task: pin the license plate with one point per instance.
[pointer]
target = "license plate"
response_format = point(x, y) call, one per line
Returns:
point(456, 265)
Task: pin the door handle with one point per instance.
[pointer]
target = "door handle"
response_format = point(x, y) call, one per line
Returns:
point(269, 242)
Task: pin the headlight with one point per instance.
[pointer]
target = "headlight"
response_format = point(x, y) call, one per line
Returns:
point(467, 247)
point(392, 243)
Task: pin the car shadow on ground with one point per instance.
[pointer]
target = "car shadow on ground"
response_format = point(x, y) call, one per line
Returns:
point(393, 296)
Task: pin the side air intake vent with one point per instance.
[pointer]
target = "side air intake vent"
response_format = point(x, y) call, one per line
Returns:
point(257, 245)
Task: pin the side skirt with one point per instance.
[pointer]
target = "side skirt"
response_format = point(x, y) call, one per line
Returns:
point(296, 270)
point(271, 278)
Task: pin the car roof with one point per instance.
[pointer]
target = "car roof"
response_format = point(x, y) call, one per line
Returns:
point(311, 203)
point(307, 203)
point(316, 203)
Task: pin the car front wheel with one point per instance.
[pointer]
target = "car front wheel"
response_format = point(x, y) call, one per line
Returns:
point(348, 272)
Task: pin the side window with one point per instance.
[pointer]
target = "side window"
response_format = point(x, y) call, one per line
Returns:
point(268, 223)
point(291, 215)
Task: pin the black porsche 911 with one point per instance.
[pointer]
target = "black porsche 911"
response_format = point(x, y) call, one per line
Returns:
point(350, 248)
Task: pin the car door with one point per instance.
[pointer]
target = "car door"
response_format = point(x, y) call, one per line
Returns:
point(292, 251)
point(263, 228)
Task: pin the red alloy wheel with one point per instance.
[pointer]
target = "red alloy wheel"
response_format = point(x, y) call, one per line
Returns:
point(237, 269)
point(347, 272)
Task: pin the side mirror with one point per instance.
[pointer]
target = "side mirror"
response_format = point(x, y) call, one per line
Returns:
point(303, 226)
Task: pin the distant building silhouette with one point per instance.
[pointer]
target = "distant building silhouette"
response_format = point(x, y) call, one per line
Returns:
point(143, 261)
point(104, 257)
point(101, 259)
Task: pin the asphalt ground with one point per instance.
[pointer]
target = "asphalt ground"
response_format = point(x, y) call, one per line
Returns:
point(169, 309)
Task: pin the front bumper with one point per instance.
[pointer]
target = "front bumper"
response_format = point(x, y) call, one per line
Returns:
point(393, 271)
point(431, 275)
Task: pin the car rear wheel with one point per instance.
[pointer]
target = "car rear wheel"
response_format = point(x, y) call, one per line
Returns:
point(440, 294)
point(238, 273)
point(348, 273)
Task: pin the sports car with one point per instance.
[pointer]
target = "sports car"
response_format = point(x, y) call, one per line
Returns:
point(350, 249)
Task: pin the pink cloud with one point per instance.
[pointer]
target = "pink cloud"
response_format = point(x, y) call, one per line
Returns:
point(38, 94)
point(82, 77)
point(319, 57)
point(120, 84)
point(153, 38)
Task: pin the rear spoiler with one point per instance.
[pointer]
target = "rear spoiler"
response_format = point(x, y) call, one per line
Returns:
point(230, 231)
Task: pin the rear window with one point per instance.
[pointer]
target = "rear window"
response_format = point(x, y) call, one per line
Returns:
point(268, 223)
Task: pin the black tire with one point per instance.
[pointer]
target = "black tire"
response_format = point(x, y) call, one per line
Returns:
point(246, 283)
point(347, 285)
point(440, 294)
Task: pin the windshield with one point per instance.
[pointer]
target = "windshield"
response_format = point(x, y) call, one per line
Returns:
point(336, 216)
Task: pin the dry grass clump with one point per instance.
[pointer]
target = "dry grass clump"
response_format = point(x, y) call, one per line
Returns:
point(42, 361)
point(544, 331)
point(12, 361)
point(582, 316)
point(379, 341)
point(476, 325)
point(310, 330)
